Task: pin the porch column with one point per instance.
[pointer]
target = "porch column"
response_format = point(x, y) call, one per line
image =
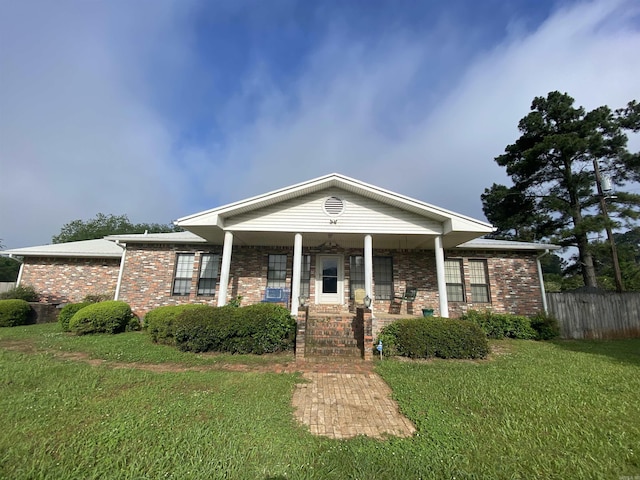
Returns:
point(442, 280)
point(368, 267)
point(297, 269)
point(225, 268)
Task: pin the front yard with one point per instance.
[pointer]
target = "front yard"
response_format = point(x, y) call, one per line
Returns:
point(80, 407)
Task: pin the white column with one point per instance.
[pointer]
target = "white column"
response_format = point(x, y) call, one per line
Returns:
point(368, 267)
point(225, 268)
point(442, 281)
point(297, 269)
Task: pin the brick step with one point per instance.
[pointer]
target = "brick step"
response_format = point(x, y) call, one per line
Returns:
point(333, 352)
point(330, 323)
point(329, 341)
point(332, 332)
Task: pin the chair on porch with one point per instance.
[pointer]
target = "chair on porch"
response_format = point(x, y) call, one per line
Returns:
point(409, 295)
point(276, 295)
point(358, 296)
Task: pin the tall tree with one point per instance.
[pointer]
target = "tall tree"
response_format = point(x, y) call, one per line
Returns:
point(551, 165)
point(103, 225)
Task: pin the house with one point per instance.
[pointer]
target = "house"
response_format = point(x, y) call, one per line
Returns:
point(326, 242)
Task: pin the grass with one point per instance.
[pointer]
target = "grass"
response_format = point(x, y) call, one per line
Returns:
point(537, 410)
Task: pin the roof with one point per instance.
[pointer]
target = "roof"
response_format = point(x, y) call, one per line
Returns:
point(173, 237)
point(491, 244)
point(98, 248)
point(210, 224)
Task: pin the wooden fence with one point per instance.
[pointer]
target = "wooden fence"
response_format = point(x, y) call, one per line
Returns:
point(596, 315)
point(6, 286)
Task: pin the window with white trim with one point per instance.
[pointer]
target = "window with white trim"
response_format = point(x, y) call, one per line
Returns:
point(183, 274)
point(209, 273)
point(479, 280)
point(453, 277)
point(277, 271)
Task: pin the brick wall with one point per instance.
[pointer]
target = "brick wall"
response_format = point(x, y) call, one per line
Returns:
point(149, 269)
point(67, 280)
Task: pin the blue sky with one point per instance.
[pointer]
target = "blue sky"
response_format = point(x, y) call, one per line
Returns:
point(162, 108)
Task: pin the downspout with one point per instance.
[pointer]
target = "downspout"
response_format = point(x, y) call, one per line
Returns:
point(541, 280)
point(120, 273)
point(19, 271)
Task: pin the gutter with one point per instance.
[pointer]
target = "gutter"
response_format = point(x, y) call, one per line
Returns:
point(120, 273)
point(541, 280)
point(20, 271)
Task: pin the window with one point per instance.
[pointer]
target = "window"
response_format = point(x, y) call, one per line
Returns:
point(453, 276)
point(277, 271)
point(209, 268)
point(382, 276)
point(184, 272)
point(356, 276)
point(479, 281)
point(305, 276)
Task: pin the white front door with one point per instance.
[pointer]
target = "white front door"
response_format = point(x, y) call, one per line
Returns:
point(329, 279)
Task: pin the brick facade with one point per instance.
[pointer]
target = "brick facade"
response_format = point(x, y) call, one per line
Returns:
point(69, 280)
point(149, 271)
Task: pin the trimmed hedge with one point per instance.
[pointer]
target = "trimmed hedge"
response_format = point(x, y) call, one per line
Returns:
point(501, 325)
point(14, 312)
point(69, 311)
point(260, 328)
point(112, 316)
point(159, 322)
point(434, 337)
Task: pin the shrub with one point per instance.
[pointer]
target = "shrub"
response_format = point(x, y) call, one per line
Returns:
point(14, 312)
point(546, 326)
point(98, 297)
point(111, 316)
point(501, 325)
point(69, 311)
point(435, 337)
point(159, 322)
point(259, 328)
point(21, 292)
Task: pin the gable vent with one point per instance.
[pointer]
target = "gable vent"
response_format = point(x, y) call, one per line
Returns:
point(333, 206)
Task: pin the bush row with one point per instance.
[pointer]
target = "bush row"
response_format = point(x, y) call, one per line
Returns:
point(15, 312)
point(433, 337)
point(505, 325)
point(260, 328)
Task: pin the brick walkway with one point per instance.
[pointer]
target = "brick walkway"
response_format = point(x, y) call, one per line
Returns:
point(342, 404)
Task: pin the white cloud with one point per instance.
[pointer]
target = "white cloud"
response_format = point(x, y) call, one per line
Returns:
point(86, 91)
point(351, 97)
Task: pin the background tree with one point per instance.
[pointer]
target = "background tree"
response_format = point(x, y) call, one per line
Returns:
point(103, 225)
point(551, 166)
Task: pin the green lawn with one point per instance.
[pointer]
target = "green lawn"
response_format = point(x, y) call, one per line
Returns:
point(536, 410)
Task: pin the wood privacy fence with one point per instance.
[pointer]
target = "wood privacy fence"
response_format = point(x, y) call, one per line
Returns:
point(6, 286)
point(596, 315)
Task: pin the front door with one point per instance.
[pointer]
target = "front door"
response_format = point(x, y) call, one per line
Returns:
point(329, 279)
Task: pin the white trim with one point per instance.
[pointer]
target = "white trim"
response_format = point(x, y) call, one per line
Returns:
point(120, 273)
point(368, 267)
point(541, 280)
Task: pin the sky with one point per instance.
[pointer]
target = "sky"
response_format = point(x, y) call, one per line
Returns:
point(158, 109)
